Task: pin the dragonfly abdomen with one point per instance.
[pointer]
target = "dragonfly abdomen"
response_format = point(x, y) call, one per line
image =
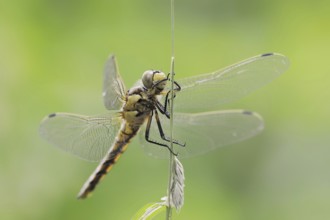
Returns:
point(125, 134)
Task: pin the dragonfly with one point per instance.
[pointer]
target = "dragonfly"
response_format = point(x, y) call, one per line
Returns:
point(144, 109)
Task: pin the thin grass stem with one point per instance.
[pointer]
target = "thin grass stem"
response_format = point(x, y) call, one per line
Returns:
point(169, 209)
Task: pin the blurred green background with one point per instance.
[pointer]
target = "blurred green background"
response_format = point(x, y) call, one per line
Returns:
point(52, 55)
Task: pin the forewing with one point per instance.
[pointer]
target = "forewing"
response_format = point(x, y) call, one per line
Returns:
point(208, 92)
point(203, 132)
point(138, 83)
point(113, 86)
point(86, 137)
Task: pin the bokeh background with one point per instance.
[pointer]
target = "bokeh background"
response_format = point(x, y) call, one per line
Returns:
point(52, 55)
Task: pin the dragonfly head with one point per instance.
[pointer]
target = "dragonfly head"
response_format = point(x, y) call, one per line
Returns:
point(154, 79)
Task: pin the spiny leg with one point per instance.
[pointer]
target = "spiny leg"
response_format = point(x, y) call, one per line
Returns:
point(163, 108)
point(152, 141)
point(177, 89)
point(161, 132)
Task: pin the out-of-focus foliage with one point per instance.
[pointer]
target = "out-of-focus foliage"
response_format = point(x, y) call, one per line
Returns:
point(51, 59)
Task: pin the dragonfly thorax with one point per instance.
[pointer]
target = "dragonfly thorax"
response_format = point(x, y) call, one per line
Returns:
point(154, 81)
point(138, 100)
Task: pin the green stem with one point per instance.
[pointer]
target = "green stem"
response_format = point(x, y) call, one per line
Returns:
point(168, 213)
point(169, 209)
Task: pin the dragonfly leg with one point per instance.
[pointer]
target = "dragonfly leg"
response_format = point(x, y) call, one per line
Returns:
point(166, 102)
point(163, 108)
point(152, 141)
point(161, 132)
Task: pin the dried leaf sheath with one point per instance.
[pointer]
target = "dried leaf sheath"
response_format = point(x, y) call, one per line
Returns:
point(177, 185)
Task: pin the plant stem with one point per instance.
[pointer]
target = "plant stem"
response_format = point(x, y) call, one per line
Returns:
point(169, 209)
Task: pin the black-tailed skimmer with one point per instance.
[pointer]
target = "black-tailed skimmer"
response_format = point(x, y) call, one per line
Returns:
point(199, 125)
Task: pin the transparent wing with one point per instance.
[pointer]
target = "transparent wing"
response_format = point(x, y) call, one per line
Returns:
point(208, 92)
point(113, 86)
point(138, 83)
point(203, 132)
point(86, 137)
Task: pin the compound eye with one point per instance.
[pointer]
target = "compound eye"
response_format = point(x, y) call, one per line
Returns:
point(159, 76)
point(147, 78)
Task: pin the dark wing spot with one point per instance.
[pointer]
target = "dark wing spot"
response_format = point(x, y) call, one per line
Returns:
point(247, 112)
point(267, 54)
point(52, 115)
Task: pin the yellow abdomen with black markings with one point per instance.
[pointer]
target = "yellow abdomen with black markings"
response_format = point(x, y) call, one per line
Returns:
point(132, 121)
